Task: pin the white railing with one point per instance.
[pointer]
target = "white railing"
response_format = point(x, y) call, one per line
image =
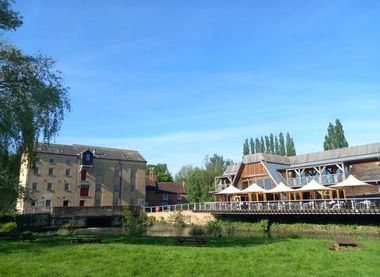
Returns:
point(325, 179)
point(349, 204)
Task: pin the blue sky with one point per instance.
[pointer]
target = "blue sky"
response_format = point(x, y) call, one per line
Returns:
point(178, 80)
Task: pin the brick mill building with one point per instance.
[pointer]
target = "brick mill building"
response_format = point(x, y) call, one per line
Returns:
point(79, 175)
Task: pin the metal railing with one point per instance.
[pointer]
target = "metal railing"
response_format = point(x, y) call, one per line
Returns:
point(349, 204)
point(325, 179)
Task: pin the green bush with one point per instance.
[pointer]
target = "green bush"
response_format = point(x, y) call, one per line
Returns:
point(9, 227)
point(71, 226)
point(136, 222)
point(196, 231)
point(179, 221)
point(214, 228)
point(265, 225)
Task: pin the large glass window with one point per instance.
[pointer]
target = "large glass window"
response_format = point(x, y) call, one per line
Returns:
point(67, 187)
point(268, 184)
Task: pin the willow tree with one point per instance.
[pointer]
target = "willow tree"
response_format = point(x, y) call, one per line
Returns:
point(33, 104)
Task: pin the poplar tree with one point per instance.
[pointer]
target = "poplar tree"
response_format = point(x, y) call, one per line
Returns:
point(252, 146)
point(335, 137)
point(276, 146)
point(257, 145)
point(281, 147)
point(290, 148)
point(267, 144)
point(262, 145)
point(271, 144)
point(246, 147)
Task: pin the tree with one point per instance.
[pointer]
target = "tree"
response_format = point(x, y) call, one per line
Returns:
point(262, 145)
point(184, 173)
point(267, 144)
point(162, 172)
point(335, 137)
point(276, 146)
point(246, 147)
point(33, 104)
point(290, 148)
point(200, 181)
point(271, 144)
point(9, 19)
point(281, 147)
point(252, 146)
point(257, 145)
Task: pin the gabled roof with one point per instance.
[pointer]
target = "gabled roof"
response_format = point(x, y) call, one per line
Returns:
point(258, 157)
point(232, 169)
point(338, 155)
point(169, 187)
point(98, 151)
point(361, 152)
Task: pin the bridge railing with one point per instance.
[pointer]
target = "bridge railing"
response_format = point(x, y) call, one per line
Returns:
point(351, 204)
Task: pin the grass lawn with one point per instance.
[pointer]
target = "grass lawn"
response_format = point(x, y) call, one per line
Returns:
point(152, 256)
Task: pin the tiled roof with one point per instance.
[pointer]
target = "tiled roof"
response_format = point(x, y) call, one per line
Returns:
point(170, 187)
point(99, 152)
point(341, 154)
point(258, 157)
point(231, 169)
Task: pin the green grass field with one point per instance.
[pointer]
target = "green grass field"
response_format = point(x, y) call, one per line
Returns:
point(152, 256)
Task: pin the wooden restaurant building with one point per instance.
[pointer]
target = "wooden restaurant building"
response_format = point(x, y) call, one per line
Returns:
point(328, 168)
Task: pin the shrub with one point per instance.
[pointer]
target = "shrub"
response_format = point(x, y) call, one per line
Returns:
point(265, 225)
point(135, 222)
point(214, 228)
point(179, 221)
point(196, 231)
point(9, 227)
point(229, 228)
point(71, 226)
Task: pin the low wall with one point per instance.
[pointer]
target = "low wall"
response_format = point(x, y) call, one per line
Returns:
point(198, 218)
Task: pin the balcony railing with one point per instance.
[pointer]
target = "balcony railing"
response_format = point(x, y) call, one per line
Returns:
point(326, 179)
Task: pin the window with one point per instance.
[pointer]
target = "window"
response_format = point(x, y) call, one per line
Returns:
point(179, 196)
point(33, 203)
point(260, 183)
point(34, 187)
point(37, 171)
point(84, 190)
point(38, 159)
point(67, 187)
point(165, 196)
point(97, 202)
point(268, 184)
point(47, 203)
point(51, 171)
point(49, 187)
point(68, 162)
point(83, 175)
point(52, 161)
point(68, 172)
point(133, 188)
point(98, 187)
point(65, 203)
point(81, 203)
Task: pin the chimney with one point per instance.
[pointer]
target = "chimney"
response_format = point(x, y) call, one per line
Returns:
point(152, 176)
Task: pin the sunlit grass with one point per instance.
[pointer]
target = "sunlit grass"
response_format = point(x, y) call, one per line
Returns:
point(151, 256)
